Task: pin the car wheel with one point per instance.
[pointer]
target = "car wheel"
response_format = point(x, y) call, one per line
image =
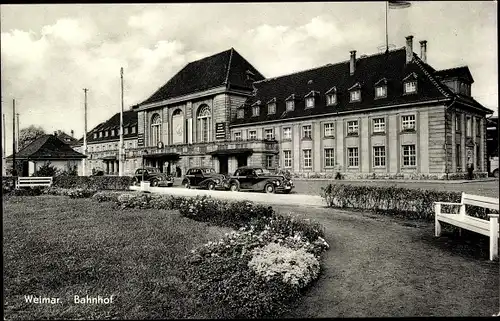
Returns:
point(135, 182)
point(233, 187)
point(269, 188)
point(495, 173)
point(186, 185)
point(154, 183)
point(211, 186)
point(170, 184)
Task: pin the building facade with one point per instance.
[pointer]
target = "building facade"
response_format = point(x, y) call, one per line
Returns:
point(386, 115)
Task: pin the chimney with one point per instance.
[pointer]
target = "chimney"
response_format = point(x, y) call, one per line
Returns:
point(72, 133)
point(352, 64)
point(423, 50)
point(55, 133)
point(409, 49)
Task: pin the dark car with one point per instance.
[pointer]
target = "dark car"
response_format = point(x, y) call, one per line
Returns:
point(204, 177)
point(154, 176)
point(250, 178)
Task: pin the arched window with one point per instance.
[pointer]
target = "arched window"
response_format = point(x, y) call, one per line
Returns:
point(155, 129)
point(204, 124)
point(177, 127)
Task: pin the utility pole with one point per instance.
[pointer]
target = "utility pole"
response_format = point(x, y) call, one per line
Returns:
point(18, 135)
point(84, 160)
point(4, 164)
point(14, 170)
point(121, 153)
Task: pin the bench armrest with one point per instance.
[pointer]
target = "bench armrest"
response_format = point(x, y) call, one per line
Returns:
point(447, 203)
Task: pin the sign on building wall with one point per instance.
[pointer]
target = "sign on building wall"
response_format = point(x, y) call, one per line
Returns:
point(220, 131)
point(140, 139)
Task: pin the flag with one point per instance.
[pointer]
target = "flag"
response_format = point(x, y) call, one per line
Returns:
point(398, 4)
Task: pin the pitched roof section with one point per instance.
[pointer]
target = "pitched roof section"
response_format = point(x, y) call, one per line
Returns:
point(458, 72)
point(48, 147)
point(227, 68)
point(67, 139)
point(369, 70)
point(129, 119)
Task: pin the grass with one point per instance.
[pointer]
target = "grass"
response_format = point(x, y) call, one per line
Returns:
point(379, 266)
point(60, 247)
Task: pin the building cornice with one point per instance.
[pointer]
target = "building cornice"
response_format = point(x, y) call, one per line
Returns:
point(435, 101)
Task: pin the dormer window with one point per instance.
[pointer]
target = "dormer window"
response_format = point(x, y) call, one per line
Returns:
point(290, 103)
point(240, 113)
point(410, 84)
point(381, 88)
point(100, 134)
point(256, 109)
point(133, 129)
point(126, 130)
point(95, 135)
point(355, 93)
point(271, 106)
point(112, 132)
point(309, 98)
point(331, 96)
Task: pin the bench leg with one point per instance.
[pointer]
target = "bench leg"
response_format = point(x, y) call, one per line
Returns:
point(493, 236)
point(437, 228)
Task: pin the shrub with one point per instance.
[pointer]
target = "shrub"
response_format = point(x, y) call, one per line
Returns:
point(105, 196)
point(30, 191)
point(397, 201)
point(47, 170)
point(80, 192)
point(8, 184)
point(94, 182)
point(165, 202)
point(295, 267)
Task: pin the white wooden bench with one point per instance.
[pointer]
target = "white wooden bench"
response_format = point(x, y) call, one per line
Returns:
point(462, 220)
point(33, 181)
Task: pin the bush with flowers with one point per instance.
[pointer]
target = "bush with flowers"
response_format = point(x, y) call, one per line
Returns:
point(105, 196)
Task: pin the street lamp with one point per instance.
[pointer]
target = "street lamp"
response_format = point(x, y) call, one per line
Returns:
point(143, 152)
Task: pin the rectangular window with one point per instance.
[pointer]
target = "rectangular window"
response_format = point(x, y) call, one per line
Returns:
point(331, 99)
point(126, 131)
point(477, 128)
point(287, 133)
point(255, 111)
point(112, 132)
point(269, 161)
point(133, 129)
point(269, 133)
point(287, 158)
point(409, 155)
point(252, 134)
point(408, 123)
point(329, 129)
point(271, 108)
point(469, 126)
point(237, 136)
point(106, 133)
point(353, 157)
point(379, 125)
point(352, 127)
point(329, 157)
point(241, 114)
point(457, 123)
point(355, 95)
point(95, 135)
point(381, 92)
point(309, 102)
point(290, 105)
point(307, 132)
point(100, 134)
point(307, 158)
point(410, 87)
point(458, 157)
point(379, 156)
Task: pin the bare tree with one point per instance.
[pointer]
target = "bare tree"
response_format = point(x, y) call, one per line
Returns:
point(29, 134)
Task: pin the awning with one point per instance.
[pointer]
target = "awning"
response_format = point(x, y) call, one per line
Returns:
point(108, 158)
point(162, 156)
point(233, 151)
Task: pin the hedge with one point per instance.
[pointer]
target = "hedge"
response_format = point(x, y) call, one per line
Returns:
point(397, 201)
point(94, 182)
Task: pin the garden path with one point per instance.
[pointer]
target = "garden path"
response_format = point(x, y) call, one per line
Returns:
point(382, 267)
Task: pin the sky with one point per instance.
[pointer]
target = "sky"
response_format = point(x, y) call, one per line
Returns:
point(49, 53)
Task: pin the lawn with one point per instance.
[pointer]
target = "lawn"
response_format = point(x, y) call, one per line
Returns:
point(60, 247)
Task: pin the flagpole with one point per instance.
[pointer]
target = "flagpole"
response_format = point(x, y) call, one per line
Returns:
point(84, 160)
point(14, 169)
point(120, 152)
point(386, 31)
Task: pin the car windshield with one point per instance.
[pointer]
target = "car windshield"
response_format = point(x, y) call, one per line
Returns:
point(153, 170)
point(208, 170)
point(262, 171)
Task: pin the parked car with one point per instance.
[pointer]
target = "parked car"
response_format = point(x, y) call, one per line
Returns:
point(154, 176)
point(251, 178)
point(494, 166)
point(204, 177)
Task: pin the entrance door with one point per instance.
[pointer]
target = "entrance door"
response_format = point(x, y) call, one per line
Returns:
point(242, 160)
point(223, 165)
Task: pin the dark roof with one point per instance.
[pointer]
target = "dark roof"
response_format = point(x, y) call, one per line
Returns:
point(369, 71)
point(458, 72)
point(48, 147)
point(129, 119)
point(227, 68)
point(67, 139)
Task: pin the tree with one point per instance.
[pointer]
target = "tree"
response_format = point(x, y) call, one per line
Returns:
point(28, 135)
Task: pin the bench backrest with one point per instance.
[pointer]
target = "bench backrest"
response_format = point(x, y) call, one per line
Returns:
point(482, 201)
point(34, 181)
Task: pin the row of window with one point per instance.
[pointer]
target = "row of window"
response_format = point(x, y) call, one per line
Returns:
point(109, 146)
point(114, 133)
point(409, 87)
point(408, 154)
point(468, 126)
point(408, 123)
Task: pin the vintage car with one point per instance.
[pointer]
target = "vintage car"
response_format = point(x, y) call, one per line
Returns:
point(249, 178)
point(204, 177)
point(154, 176)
